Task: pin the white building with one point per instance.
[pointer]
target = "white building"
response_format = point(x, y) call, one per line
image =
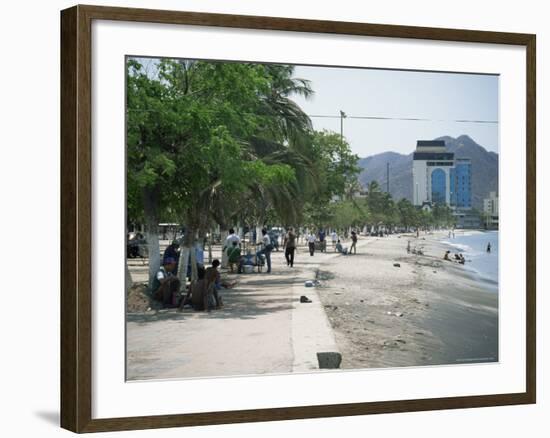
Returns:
point(490, 210)
point(432, 166)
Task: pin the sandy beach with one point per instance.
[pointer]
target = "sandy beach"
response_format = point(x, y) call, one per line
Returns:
point(427, 311)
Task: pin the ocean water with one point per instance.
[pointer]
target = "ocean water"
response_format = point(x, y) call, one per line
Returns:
point(473, 245)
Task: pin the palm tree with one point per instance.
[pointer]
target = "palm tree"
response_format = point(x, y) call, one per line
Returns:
point(284, 141)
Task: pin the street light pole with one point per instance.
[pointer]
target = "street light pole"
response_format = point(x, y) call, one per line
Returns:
point(342, 117)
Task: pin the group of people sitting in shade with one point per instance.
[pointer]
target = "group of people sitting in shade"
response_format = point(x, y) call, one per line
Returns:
point(458, 258)
point(202, 294)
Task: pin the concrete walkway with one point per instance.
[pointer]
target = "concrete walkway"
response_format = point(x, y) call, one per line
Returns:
point(263, 328)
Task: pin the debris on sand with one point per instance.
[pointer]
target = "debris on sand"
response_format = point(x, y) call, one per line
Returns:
point(138, 300)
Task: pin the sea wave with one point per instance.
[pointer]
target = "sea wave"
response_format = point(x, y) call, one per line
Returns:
point(459, 246)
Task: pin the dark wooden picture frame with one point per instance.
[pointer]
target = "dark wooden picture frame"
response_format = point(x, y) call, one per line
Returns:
point(76, 218)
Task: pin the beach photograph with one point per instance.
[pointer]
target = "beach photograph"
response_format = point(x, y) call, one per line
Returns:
point(297, 218)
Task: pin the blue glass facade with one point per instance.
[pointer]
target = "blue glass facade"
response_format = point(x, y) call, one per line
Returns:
point(439, 185)
point(461, 186)
point(453, 186)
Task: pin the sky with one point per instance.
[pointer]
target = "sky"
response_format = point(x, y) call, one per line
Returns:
point(442, 98)
point(439, 98)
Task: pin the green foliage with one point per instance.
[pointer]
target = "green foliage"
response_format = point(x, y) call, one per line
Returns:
point(220, 142)
point(195, 135)
point(349, 213)
point(336, 164)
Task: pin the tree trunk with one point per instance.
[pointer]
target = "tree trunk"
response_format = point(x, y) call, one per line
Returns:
point(258, 233)
point(194, 272)
point(210, 247)
point(182, 267)
point(150, 201)
point(187, 252)
point(224, 261)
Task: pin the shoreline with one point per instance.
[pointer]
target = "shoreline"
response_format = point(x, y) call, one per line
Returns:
point(427, 311)
point(477, 274)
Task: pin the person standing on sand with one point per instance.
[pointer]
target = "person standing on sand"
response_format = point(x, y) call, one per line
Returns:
point(289, 246)
point(311, 244)
point(353, 246)
point(267, 247)
point(334, 238)
point(322, 235)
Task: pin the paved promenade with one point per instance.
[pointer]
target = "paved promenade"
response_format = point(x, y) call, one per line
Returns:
point(262, 328)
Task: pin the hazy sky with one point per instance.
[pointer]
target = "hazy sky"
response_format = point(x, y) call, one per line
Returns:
point(442, 98)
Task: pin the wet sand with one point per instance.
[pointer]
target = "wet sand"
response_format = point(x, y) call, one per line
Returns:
point(427, 311)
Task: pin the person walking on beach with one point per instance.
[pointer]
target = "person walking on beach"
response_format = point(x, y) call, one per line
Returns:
point(311, 244)
point(334, 238)
point(323, 243)
point(353, 246)
point(289, 246)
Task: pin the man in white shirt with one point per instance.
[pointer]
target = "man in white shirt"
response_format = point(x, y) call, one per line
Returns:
point(334, 238)
point(311, 243)
point(228, 245)
point(267, 247)
point(232, 238)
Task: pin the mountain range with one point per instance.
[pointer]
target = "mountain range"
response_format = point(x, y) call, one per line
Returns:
point(484, 169)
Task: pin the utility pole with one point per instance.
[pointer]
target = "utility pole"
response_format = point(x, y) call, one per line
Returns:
point(388, 177)
point(342, 117)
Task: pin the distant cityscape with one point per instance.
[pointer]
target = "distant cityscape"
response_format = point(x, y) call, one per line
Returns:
point(440, 178)
point(457, 173)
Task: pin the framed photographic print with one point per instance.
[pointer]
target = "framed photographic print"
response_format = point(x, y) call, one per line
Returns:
point(268, 218)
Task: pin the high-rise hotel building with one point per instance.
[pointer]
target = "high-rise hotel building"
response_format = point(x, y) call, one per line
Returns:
point(438, 178)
